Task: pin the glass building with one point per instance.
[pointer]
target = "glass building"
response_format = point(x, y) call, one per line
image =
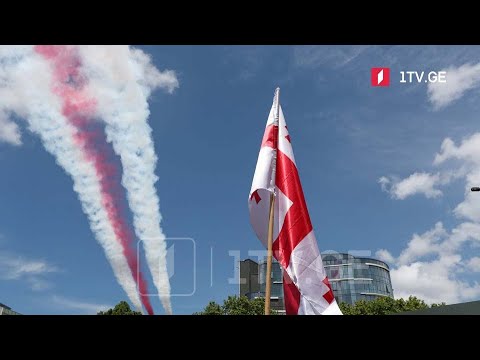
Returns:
point(5, 310)
point(252, 282)
point(248, 283)
point(357, 278)
point(352, 279)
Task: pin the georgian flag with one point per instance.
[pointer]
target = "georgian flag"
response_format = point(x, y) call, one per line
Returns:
point(307, 290)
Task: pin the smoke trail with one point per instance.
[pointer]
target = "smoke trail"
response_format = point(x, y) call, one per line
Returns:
point(77, 109)
point(122, 79)
point(25, 81)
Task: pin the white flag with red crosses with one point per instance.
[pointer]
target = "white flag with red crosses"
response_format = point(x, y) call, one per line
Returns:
point(307, 290)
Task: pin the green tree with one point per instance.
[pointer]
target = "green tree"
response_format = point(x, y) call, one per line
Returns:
point(213, 309)
point(385, 306)
point(235, 305)
point(122, 308)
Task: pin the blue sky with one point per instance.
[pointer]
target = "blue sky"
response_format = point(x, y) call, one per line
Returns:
point(346, 135)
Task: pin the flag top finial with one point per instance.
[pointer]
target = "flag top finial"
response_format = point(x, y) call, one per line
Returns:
point(276, 102)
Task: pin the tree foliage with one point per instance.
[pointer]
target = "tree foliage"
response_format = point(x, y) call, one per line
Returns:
point(122, 308)
point(385, 306)
point(235, 305)
point(212, 309)
point(381, 306)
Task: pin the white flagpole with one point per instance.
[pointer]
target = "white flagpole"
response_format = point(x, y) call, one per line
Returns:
point(268, 273)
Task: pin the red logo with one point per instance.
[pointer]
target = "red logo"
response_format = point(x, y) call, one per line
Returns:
point(380, 76)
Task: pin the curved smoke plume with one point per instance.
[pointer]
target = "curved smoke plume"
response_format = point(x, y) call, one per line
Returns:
point(121, 79)
point(113, 84)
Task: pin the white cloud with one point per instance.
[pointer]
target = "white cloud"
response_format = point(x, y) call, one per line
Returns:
point(15, 267)
point(431, 265)
point(384, 255)
point(325, 55)
point(474, 264)
point(87, 308)
point(422, 245)
point(468, 151)
point(384, 182)
point(427, 184)
point(458, 81)
point(248, 59)
point(434, 282)
point(39, 284)
point(435, 265)
point(417, 183)
point(468, 154)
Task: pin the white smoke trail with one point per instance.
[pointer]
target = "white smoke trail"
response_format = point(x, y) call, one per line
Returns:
point(25, 90)
point(121, 79)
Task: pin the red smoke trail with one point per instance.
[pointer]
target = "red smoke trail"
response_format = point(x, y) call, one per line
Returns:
point(78, 108)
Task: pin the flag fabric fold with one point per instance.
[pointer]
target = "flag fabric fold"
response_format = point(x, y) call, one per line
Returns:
point(307, 290)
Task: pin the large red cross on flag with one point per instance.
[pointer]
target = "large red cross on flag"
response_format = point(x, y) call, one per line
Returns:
point(307, 290)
